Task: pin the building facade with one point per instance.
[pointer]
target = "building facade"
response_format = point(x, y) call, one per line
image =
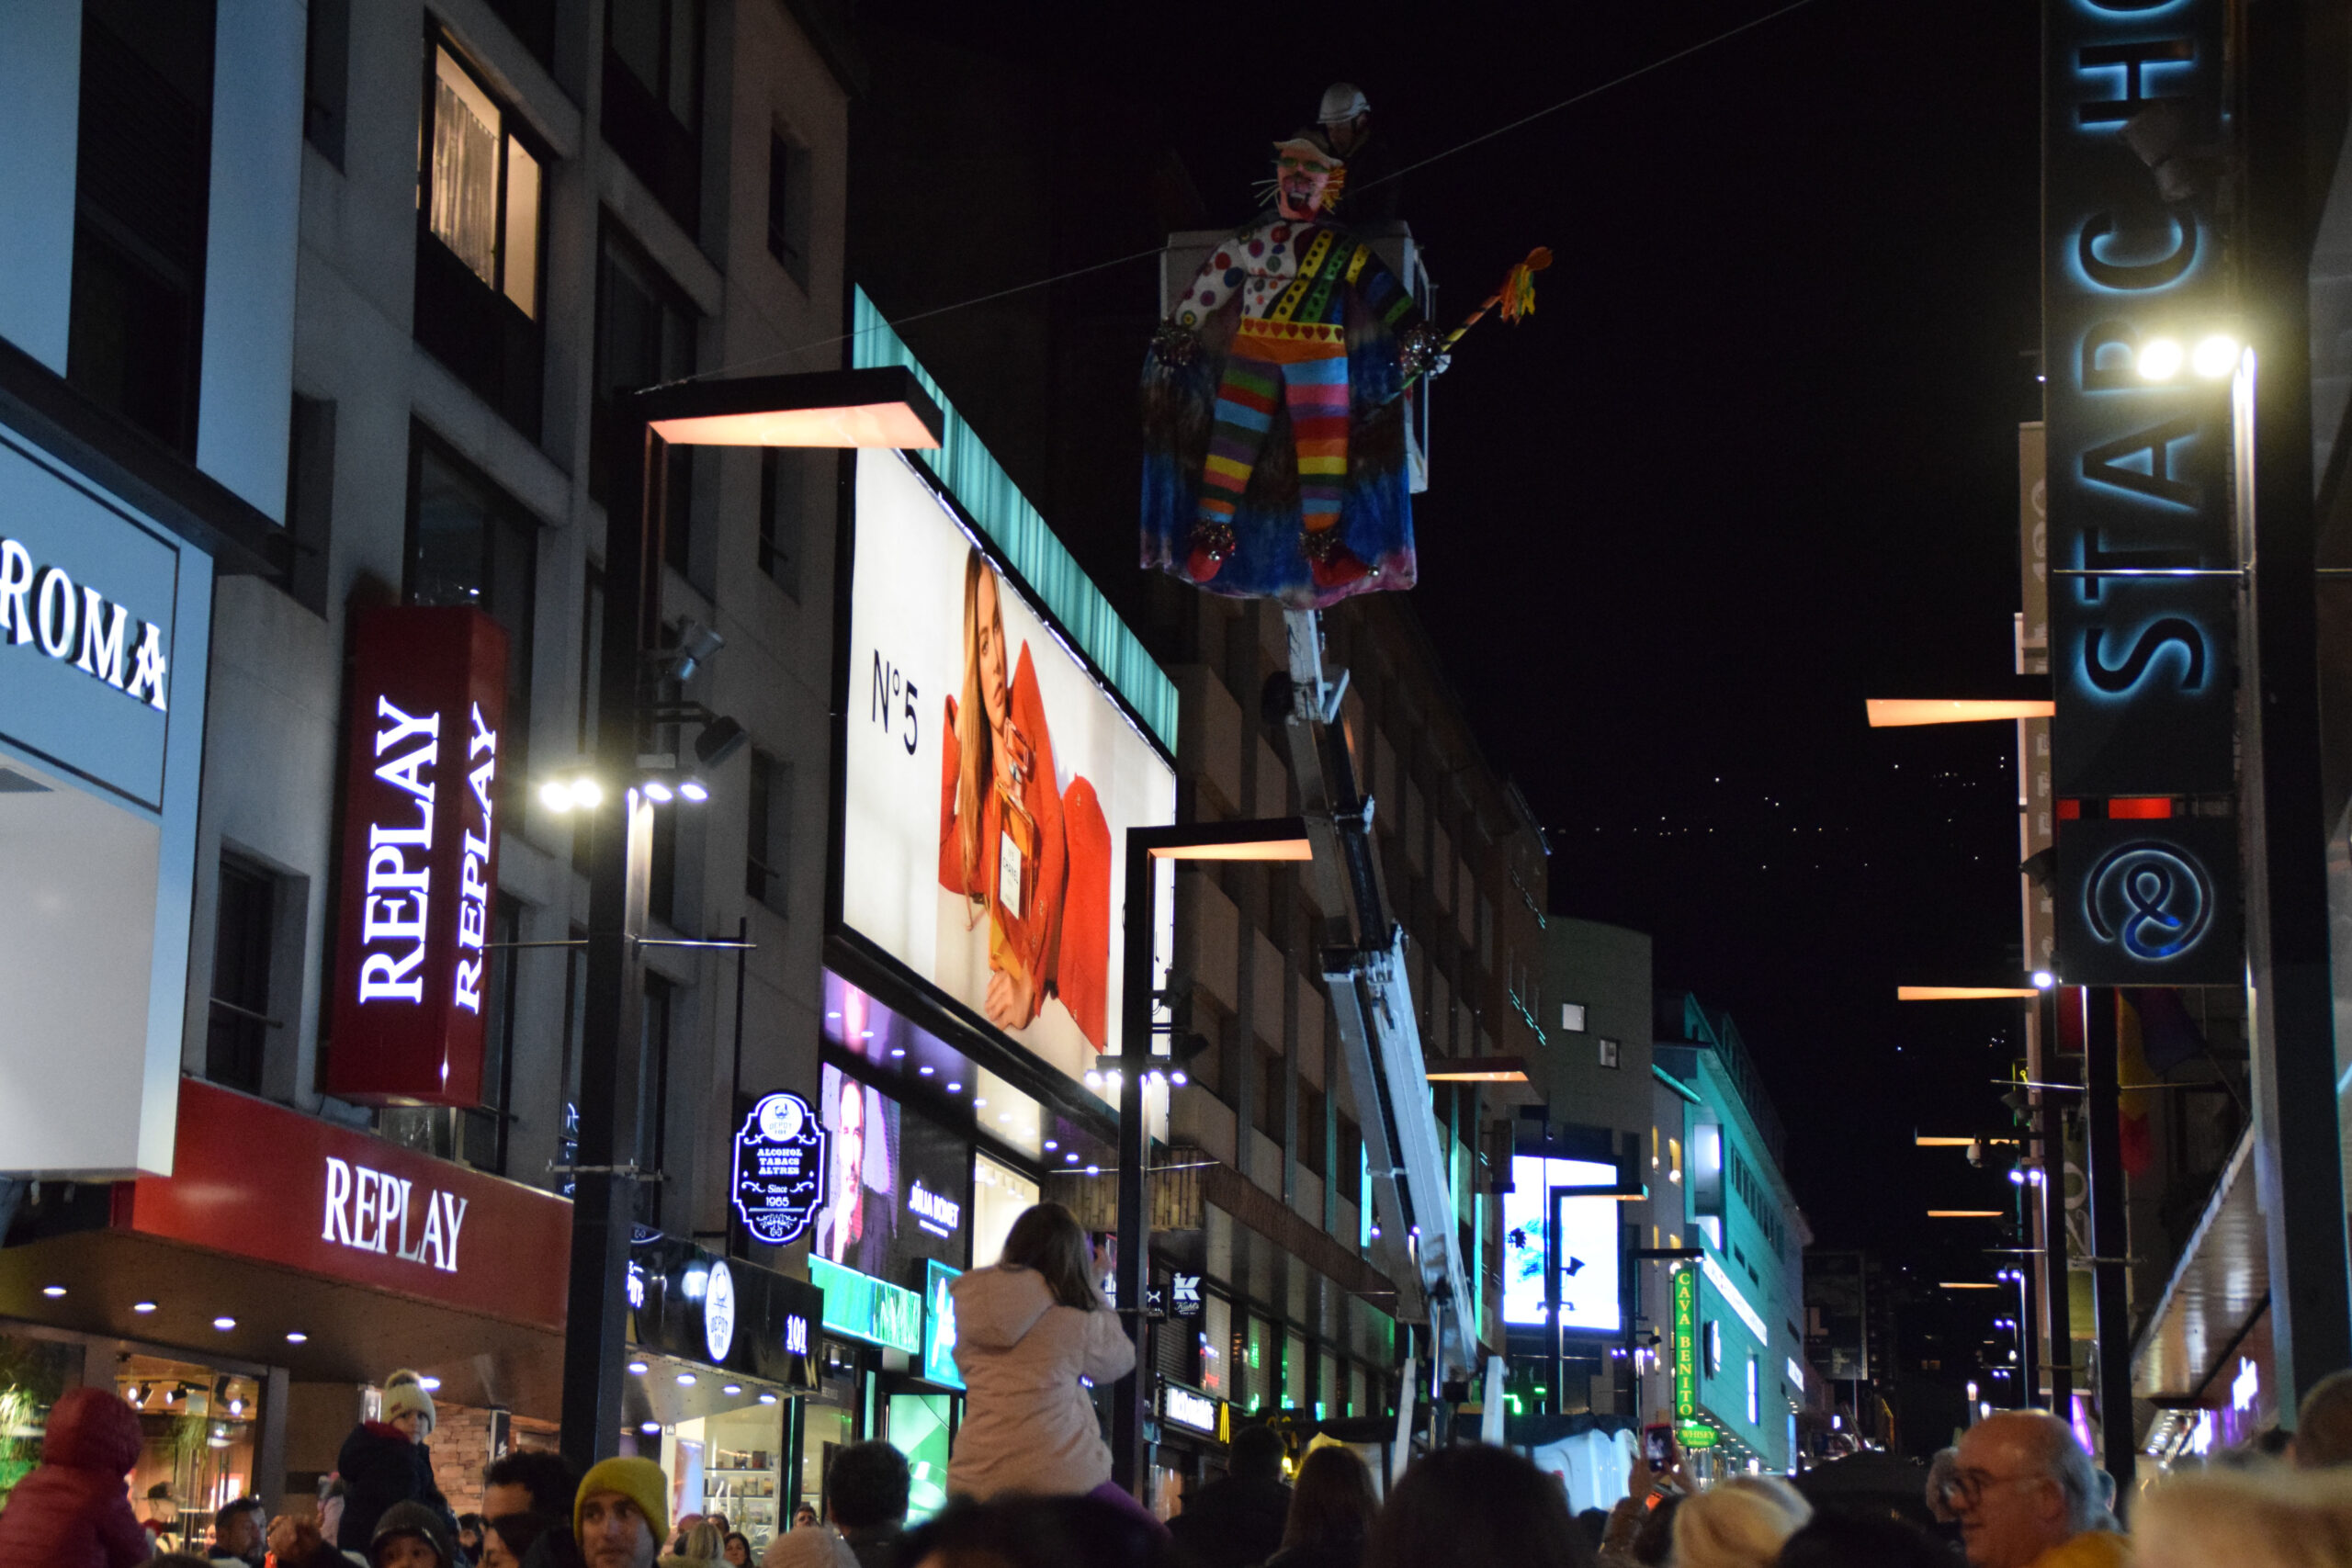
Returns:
point(1733, 1344)
point(362, 284)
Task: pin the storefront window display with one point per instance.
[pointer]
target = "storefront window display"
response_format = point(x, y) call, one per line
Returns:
point(33, 1373)
point(198, 1426)
point(921, 1424)
point(730, 1464)
point(1000, 1194)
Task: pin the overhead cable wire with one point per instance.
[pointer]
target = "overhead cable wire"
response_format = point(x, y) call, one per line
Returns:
point(1589, 93)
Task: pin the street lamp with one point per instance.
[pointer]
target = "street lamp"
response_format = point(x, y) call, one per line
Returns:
point(848, 408)
point(1276, 838)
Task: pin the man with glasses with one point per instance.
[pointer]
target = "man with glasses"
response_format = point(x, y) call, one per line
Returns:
point(2027, 1496)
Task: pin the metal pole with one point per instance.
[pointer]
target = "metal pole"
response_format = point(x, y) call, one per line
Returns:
point(1135, 1148)
point(620, 863)
point(2109, 1243)
point(2297, 1142)
point(1552, 1299)
point(2057, 1280)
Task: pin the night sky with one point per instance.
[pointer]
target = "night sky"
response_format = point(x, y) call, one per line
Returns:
point(1753, 459)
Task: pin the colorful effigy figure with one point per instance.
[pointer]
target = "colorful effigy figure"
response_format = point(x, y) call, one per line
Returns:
point(1273, 406)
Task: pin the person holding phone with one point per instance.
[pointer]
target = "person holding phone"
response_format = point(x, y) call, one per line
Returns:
point(1639, 1525)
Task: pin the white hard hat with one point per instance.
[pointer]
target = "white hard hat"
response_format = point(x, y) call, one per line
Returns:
point(1342, 101)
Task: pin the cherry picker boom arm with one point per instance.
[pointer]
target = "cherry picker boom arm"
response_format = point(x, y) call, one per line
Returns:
point(1363, 960)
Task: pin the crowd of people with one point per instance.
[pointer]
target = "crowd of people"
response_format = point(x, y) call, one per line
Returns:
point(1029, 1477)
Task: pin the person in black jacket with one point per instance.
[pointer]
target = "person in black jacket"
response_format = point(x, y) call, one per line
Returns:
point(387, 1461)
point(1237, 1522)
point(1331, 1510)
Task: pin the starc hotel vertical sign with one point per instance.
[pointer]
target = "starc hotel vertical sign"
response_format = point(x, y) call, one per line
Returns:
point(420, 857)
point(2139, 492)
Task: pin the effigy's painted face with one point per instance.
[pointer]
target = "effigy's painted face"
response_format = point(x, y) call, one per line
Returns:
point(1300, 181)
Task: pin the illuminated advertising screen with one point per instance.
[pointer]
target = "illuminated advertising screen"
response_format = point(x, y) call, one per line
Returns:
point(900, 1185)
point(1590, 1259)
point(990, 782)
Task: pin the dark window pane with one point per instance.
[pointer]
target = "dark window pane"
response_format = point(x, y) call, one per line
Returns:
point(237, 1030)
point(645, 335)
point(326, 76)
point(782, 498)
point(470, 544)
point(309, 498)
point(788, 205)
point(142, 188)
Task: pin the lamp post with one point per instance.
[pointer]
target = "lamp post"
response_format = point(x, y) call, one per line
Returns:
point(1276, 838)
point(849, 408)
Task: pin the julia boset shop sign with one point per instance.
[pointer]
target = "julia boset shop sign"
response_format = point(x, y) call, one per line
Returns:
point(420, 857)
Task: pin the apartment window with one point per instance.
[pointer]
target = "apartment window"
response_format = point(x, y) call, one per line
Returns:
point(784, 498)
point(645, 335)
point(326, 76)
point(142, 192)
point(654, 1095)
point(310, 500)
point(533, 22)
point(483, 1134)
point(1612, 1051)
point(237, 1037)
point(653, 99)
point(1572, 1017)
point(1274, 1081)
point(477, 244)
point(767, 844)
point(469, 543)
point(789, 167)
point(1311, 1128)
point(1351, 1147)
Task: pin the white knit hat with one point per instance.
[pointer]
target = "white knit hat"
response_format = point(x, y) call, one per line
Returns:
point(1342, 101)
point(404, 1395)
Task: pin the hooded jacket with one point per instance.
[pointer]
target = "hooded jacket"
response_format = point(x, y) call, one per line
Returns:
point(74, 1510)
point(1029, 1426)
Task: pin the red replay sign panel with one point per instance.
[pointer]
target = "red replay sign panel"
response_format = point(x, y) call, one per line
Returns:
point(420, 857)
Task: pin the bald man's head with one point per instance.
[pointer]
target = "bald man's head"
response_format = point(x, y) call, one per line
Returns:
point(2023, 1485)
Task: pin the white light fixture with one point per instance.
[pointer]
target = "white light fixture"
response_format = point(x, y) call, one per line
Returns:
point(2214, 357)
point(2161, 359)
point(556, 795)
point(731, 1388)
point(143, 1307)
point(767, 1399)
point(295, 1336)
point(650, 1428)
point(688, 1380)
point(694, 790)
point(430, 1385)
point(638, 1367)
point(658, 792)
point(2044, 979)
point(926, 1069)
point(52, 1292)
point(224, 1324)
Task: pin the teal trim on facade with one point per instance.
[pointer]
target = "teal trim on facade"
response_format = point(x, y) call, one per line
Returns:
point(1017, 529)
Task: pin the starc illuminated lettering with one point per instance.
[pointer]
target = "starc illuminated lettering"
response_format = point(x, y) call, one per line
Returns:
point(400, 874)
point(41, 605)
point(374, 1210)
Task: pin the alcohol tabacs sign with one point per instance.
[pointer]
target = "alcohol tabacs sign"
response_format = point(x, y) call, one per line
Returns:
point(2138, 451)
point(420, 857)
point(780, 1170)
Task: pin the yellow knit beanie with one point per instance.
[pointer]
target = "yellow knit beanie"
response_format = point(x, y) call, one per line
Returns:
point(639, 1479)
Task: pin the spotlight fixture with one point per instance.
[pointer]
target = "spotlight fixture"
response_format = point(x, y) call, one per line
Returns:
point(731, 1388)
point(694, 790)
point(697, 645)
point(658, 792)
point(688, 1380)
point(224, 1324)
point(638, 1367)
point(767, 1399)
point(52, 1292)
point(143, 1308)
point(650, 1428)
point(295, 1336)
point(719, 740)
